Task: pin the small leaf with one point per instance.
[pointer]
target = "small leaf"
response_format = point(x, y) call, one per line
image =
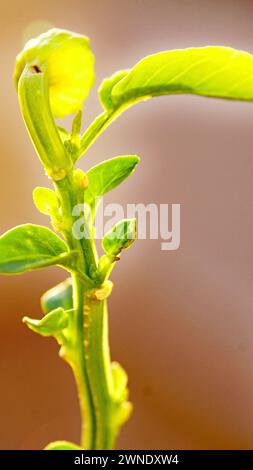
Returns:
point(107, 175)
point(106, 87)
point(53, 323)
point(46, 200)
point(121, 408)
point(121, 414)
point(62, 445)
point(63, 133)
point(76, 126)
point(29, 247)
point(120, 380)
point(59, 296)
point(120, 237)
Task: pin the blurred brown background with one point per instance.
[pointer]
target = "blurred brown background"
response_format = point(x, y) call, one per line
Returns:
point(181, 322)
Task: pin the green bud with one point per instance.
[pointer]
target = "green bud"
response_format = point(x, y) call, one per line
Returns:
point(81, 179)
point(35, 108)
point(67, 60)
point(122, 236)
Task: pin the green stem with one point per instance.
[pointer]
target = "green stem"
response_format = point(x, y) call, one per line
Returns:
point(75, 356)
point(89, 356)
point(99, 124)
point(67, 194)
point(79, 366)
point(96, 348)
point(87, 350)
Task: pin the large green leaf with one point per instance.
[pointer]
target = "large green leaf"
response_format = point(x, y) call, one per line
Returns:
point(29, 247)
point(214, 71)
point(210, 71)
point(107, 175)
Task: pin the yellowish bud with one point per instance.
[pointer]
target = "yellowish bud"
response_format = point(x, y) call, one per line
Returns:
point(68, 62)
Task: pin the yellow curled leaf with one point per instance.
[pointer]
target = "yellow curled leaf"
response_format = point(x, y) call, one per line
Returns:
point(68, 62)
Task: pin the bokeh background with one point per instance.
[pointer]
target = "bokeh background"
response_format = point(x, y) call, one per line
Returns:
point(181, 322)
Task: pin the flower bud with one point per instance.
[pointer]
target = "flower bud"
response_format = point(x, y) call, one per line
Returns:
point(120, 237)
point(68, 62)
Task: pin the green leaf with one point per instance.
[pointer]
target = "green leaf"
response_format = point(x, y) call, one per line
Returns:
point(107, 175)
point(106, 87)
point(29, 247)
point(59, 296)
point(120, 237)
point(76, 126)
point(219, 72)
point(121, 408)
point(46, 200)
point(62, 445)
point(53, 323)
point(121, 414)
point(120, 380)
point(63, 133)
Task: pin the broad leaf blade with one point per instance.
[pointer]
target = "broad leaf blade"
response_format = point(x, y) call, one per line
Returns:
point(107, 175)
point(29, 247)
point(213, 71)
point(220, 72)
